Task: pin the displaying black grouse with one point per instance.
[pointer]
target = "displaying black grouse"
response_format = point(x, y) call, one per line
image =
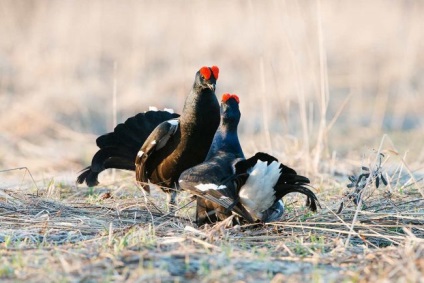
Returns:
point(119, 148)
point(227, 182)
point(178, 144)
point(160, 145)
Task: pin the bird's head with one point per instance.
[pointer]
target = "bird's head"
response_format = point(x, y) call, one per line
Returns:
point(230, 112)
point(206, 77)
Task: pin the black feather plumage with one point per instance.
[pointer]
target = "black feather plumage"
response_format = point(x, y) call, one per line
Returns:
point(119, 148)
point(218, 181)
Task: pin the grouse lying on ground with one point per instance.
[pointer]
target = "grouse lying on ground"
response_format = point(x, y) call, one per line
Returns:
point(161, 144)
point(227, 182)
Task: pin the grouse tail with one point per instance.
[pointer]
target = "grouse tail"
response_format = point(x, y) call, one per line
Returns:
point(293, 183)
point(118, 149)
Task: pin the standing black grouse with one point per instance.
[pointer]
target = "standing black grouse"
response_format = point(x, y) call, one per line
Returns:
point(178, 144)
point(227, 182)
point(119, 148)
point(160, 145)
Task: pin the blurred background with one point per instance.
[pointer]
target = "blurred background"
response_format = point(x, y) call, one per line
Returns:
point(320, 82)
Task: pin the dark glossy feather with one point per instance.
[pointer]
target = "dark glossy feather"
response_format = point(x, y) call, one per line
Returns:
point(118, 149)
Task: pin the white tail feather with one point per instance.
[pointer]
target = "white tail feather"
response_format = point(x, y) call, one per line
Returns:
point(258, 194)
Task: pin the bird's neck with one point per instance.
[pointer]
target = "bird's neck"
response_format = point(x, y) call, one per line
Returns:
point(201, 110)
point(226, 140)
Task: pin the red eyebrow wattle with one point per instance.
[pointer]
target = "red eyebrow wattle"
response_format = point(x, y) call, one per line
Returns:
point(205, 72)
point(236, 98)
point(227, 96)
point(215, 71)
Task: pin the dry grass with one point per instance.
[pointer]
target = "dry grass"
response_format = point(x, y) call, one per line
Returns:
point(63, 233)
point(320, 84)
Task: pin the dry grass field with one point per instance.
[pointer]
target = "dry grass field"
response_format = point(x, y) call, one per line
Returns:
point(325, 86)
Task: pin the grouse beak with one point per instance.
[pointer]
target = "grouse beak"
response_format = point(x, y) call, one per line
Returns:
point(211, 86)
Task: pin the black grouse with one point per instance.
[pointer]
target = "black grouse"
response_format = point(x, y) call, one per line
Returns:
point(227, 182)
point(119, 148)
point(178, 144)
point(160, 145)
